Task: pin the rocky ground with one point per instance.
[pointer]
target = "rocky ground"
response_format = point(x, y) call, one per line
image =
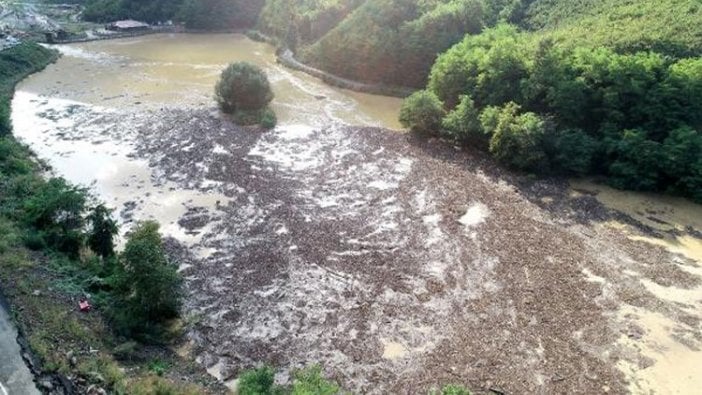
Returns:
point(399, 264)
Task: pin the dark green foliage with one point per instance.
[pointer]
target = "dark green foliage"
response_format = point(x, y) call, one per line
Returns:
point(517, 140)
point(146, 286)
point(257, 381)
point(5, 122)
point(463, 123)
point(243, 88)
point(158, 367)
point(574, 151)
point(609, 113)
point(394, 42)
point(55, 211)
point(636, 163)
point(268, 119)
point(308, 381)
point(489, 67)
point(422, 113)
point(102, 232)
point(682, 161)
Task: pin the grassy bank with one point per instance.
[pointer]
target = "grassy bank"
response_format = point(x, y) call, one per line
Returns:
point(43, 272)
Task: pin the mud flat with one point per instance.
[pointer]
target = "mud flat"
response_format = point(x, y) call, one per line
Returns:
point(396, 263)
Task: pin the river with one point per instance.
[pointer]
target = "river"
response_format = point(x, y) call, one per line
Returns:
point(398, 264)
point(148, 73)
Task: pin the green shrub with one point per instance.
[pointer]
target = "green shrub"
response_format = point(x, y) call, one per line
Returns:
point(269, 120)
point(517, 140)
point(257, 381)
point(56, 211)
point(422, 113)
point(463, 123)
point(243, 87)
point(309, 381)
point(636, 161)
point(682, 160)
point(147, 287)
point(158, 367)
point(574, 151)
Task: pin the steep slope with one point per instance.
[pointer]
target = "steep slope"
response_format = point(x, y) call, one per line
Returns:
point(396, 41)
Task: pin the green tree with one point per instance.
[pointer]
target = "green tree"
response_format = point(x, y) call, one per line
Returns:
point(243, 87)
point(147, 287)
point(574, 151)
point(682, 161)
point(422, 113)
point(636, 161)
point(463, 123)
point(490, 67)
point(102, 232)
point(517, 140)
point(56, 212)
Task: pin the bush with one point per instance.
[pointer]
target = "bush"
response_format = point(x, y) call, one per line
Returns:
point(574, 151)
point(56, 212)
point(147, 287)
point(636, 161)
point(309, 381)
point(422, 113)
point(463, 123)
point(257, 381)
point(517, 140)
point(269, 120)
point(243, 87)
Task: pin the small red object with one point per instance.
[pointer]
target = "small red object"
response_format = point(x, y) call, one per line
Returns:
point(84, 305)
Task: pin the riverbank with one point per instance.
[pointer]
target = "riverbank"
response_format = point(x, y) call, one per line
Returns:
point(287, 58)
point(67, 350)
point(284, 56)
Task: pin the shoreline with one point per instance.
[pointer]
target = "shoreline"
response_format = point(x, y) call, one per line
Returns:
point(284, 56)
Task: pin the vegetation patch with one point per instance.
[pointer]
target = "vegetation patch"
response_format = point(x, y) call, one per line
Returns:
point(243, 91)
point(543, 107)
point(56, 247)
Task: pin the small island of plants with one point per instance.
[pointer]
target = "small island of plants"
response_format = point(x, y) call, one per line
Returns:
point(243, 91)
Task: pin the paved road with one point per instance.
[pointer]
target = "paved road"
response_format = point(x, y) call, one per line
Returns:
point(15, 377)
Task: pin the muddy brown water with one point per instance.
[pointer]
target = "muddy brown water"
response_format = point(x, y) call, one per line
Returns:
point(397, 264)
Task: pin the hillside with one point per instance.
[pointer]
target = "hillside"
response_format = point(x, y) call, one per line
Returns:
point(668, 26)
point(395, 42)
